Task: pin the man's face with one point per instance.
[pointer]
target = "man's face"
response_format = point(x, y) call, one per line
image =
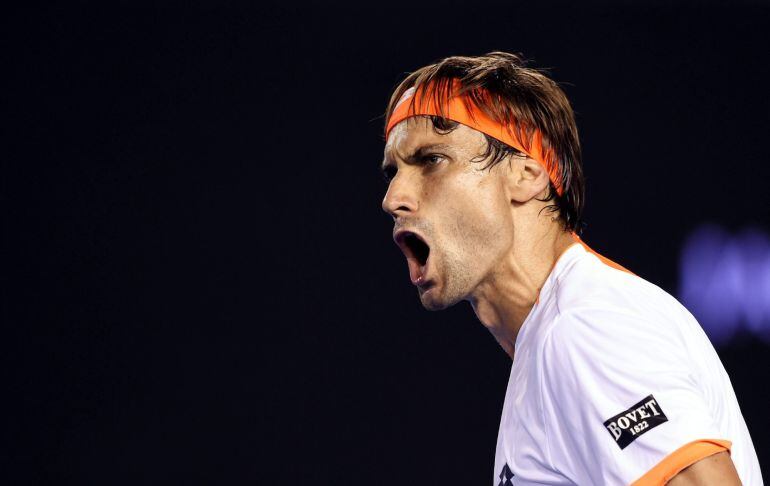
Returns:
point(452, 219)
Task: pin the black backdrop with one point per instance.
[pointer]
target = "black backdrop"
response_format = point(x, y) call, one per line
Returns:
point(201, 285)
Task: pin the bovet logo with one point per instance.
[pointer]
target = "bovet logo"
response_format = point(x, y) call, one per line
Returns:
point(629, 424)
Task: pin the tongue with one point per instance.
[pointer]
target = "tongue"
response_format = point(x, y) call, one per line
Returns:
point(416, 271)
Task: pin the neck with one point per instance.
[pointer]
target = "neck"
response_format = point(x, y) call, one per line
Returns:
point(505, 298)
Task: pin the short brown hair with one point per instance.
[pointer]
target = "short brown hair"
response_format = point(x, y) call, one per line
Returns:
point(519, 94)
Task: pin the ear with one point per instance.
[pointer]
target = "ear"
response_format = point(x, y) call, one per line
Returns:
point(525, 179)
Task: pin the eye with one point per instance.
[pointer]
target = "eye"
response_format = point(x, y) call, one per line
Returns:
point(433, 159)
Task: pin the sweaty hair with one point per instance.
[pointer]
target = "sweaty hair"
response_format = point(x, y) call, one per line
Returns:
point(516, 93)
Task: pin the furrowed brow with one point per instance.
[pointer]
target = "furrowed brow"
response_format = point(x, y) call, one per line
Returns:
point(416, 155)
point(426, 149)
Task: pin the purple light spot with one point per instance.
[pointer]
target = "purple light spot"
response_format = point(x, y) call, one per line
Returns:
point(756, 286)
point(725, 281)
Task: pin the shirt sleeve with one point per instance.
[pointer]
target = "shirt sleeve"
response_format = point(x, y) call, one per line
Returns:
point(621, 400)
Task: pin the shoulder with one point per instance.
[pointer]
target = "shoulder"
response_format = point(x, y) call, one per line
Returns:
point(589, 282)
point(605, 338)
point(604, 313)
point(614, 300)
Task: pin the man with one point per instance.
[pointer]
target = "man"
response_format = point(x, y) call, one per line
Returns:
point(612, 381)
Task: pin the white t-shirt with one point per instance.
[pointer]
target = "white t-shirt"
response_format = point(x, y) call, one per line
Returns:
point(614, 382)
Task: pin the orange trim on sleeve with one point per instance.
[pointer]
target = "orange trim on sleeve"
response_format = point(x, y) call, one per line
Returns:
point(686, 455)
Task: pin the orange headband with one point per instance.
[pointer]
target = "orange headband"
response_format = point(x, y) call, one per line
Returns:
point(462, 109)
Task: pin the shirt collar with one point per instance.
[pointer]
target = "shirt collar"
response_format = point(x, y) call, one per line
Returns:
point(568, 255)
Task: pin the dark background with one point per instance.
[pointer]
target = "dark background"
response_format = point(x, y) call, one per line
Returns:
point(201, 285)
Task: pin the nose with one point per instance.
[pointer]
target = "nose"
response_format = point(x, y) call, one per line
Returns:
point(401, 197)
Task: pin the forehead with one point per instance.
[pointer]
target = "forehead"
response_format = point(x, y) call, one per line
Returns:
point(413, 133)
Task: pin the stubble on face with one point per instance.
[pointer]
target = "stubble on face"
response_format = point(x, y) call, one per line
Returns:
point(473, 230)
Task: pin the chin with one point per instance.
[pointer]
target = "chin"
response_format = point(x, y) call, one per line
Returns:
point(432, 301)
point(434, 306)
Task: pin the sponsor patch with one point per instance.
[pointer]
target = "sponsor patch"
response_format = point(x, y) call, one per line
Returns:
point(629, 424)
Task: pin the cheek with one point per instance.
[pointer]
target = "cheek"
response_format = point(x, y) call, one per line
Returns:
point(478, 219)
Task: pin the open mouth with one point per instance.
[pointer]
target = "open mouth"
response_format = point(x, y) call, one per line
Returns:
point(419, 249)
point(417, 252)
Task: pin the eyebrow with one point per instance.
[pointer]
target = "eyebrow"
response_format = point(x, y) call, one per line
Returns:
point(416, 154)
